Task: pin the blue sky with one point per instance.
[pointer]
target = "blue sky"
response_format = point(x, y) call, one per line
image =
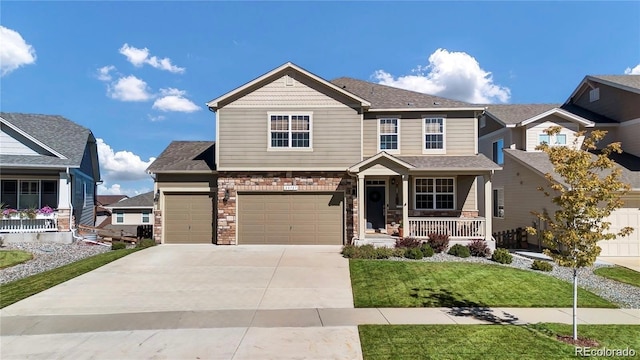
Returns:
point(161, 61)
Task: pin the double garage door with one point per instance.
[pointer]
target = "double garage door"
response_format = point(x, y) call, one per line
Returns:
point(290, 218)
point(188, 219)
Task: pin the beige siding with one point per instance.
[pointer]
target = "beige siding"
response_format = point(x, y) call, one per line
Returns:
point(131, 217)
point(629, 135)
point(9, 145)
point(302, 92)
point(243, 140)
point(614, 103)
point(520, 196)
point(460, 134)
point(535, 129)
point(466, 193)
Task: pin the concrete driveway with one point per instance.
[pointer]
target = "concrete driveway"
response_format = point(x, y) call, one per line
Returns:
point(192, 301)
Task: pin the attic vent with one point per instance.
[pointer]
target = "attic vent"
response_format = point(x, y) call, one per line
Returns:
point(436, 103)
point(288, 80)
point(594, 95)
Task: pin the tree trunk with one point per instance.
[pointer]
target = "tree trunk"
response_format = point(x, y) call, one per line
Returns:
point(575, 303)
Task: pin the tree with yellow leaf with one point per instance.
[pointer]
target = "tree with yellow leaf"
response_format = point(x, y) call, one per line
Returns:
point(586, 188)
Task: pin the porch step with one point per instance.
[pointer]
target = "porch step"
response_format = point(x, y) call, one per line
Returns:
point(388, 242)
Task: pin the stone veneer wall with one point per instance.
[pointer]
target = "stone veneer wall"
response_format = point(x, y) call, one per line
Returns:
point(236, 182)
point(65, 222)
point(157, 226)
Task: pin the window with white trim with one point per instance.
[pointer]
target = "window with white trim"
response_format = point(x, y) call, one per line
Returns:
point(291, 131)
point(389, 134)
point(553, 140)
point(434, 193)
point(498, 203)
point(119, 217)
point(498, 155)
point(145, 217)
point(433, 131)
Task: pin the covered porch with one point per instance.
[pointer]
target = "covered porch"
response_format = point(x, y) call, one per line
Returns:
point(416, 196)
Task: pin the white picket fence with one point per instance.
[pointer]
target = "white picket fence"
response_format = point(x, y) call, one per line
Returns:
point(456, 228)
point(39, 224)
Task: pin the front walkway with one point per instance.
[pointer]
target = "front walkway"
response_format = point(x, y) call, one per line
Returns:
point(631, 262)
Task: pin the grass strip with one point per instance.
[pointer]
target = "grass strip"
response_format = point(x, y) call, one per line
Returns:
point(621, 274)
point(13, 257)
point(20, 289)
point(379, 283)
point(520, 342)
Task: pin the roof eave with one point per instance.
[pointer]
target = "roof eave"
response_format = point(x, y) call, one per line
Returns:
point(427, 109)
point(560, 112)
point(182, 171)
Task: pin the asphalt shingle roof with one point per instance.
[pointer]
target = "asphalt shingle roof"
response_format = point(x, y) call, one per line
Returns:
point(516, 113)
point(447, 162)
point(539, 161)
point(632, 81)
point(388, 97)
point(109, 199)
point(142, 200)
point(185, 156)
point(60, 134)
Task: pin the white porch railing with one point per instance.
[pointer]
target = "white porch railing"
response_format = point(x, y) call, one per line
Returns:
point(39, 224)
point(456, 228)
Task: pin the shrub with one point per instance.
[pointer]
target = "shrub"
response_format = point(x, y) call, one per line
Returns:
point(413, 253)
point(426, 249)
point(145, 243)
point(398, 252)
point(383, 253)
point(408, 242)
point(348, 251)
point(459, 250)
point(118, 245)
point(541, 265)
point(479, 248)
point(502, 256)
point(439, 242)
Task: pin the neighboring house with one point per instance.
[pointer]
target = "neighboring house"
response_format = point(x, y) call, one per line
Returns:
point(303, 160)
point(600, 102)
point(47, 160)
point(103, 215)
point(128, 214)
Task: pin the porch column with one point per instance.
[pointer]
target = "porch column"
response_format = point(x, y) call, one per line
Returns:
point(488, 210)
point(362, 226)
point(405, 205)
point(64, 191)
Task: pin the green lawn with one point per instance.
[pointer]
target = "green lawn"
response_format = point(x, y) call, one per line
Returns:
point(621, 274)
point(487, 341)
point(452, 284)
point(13, 257)
point(20, 289)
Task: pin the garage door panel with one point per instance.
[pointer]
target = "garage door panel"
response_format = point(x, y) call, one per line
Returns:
point(300, 218)
point(623, 246)
point(188, 218)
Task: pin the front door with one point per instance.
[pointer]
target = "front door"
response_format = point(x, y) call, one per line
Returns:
point(375, 207)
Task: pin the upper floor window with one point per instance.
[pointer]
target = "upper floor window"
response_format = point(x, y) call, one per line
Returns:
point(554, 140)
point(434, 194)
point(145, 216)
point(498, 155)
point(434, 135)
point(389, 134)
point(119, 217)
point(290, 131)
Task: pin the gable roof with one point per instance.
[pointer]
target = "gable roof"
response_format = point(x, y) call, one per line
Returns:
point(629, 83)
point(477, 162)
point(139, 201)
point(513, 115)
point(383, 97)
point(222, 100)
point(64, 139)
point(538, 161)
point(186, 156)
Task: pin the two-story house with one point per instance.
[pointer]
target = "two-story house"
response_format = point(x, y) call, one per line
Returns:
point(509, 135)
point(302, 160)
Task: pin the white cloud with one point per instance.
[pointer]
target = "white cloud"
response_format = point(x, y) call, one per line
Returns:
point(156, 118)
point(104, 73)
point(117, 189)
point(118, 166)
point(634, 71)
point(14, 51)
point(129, 88)
point(139, 57)
point(173, 100)
point(454, 75)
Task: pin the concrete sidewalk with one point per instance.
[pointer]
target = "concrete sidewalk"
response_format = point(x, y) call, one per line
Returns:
point(305, 318)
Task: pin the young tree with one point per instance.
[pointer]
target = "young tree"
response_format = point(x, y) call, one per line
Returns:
point(586, 188)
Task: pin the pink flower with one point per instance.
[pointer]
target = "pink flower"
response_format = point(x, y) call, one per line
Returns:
point(45, 210)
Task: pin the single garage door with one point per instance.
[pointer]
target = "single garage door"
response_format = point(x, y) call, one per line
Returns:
point(188, 219)
point(286, 218)
point(623, 246)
